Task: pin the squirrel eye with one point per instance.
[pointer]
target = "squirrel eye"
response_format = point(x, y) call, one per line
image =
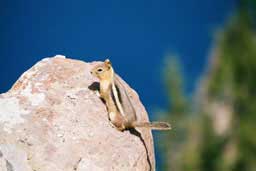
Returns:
point(100, 70)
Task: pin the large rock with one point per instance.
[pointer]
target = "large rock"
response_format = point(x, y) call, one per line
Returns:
point(52, 120)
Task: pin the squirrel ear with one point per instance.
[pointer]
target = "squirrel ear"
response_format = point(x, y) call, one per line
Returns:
point(107, 61)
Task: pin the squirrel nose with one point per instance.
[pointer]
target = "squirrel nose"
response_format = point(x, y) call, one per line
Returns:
point(91, 72)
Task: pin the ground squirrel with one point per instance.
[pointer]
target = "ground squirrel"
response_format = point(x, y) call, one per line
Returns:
point(121, 112)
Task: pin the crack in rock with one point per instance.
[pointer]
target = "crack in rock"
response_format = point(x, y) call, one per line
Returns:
point(76, 165)
point(9, 166)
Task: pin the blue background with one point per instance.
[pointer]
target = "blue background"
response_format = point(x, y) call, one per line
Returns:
point(134, 34)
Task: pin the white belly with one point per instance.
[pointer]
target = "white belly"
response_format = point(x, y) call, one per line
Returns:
point(112, 116)
point(104, 85)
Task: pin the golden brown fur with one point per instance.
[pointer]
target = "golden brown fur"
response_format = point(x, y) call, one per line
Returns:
point(120, 109)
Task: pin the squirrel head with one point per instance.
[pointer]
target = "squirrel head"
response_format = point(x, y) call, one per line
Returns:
point(103, 71)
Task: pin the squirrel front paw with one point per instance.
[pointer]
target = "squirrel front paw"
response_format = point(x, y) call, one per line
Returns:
point(97, 93)
point(112, 125)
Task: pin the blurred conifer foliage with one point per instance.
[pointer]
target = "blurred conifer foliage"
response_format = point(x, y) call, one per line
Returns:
point(216, 130)
point(177, 111)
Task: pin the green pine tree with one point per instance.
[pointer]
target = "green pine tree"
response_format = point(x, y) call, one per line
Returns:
point(219, 133)
point(176, 113)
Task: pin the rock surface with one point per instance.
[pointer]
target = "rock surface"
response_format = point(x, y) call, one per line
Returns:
point(52, 120)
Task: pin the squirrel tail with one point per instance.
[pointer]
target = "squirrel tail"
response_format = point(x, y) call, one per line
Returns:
point(153, 125)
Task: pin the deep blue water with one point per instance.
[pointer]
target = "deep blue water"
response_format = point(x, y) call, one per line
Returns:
point(134, 34)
